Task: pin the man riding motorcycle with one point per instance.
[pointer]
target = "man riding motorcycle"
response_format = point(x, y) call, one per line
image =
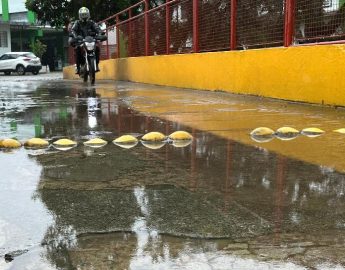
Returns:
point(80, 29)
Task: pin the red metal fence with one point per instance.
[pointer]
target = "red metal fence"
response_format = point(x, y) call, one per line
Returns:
point(185, 26)
point(320, 20)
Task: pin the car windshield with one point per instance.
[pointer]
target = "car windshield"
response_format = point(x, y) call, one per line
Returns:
point(29, 55)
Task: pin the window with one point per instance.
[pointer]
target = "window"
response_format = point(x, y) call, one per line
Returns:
point(9, 56)
point(3, 39)
point(4, 57)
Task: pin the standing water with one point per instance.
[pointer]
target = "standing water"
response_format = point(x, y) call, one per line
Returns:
point(222, 201)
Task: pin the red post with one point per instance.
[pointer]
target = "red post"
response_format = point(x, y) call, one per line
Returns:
point(167, 27)
point(289, 22)
point(195, 26)
point(130, 34)
point(118, 36)
point(147, 33)
point(233, 16)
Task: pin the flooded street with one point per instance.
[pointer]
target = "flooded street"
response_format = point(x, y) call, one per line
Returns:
point(223, 201)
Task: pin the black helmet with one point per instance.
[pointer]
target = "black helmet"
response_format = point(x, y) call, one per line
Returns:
point(84, 14)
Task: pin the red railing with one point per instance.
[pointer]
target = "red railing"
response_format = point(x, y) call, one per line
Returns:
point(315, 23)
point(185, 26)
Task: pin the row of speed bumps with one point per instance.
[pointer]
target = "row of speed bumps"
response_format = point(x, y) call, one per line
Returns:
point(264, 134)
point(152, 140)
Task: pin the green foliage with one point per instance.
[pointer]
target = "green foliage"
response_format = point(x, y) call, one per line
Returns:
point(38, 48)
point(58, 13)
point(123, 45)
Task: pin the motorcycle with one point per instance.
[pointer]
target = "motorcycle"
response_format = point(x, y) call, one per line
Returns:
point(88, 65)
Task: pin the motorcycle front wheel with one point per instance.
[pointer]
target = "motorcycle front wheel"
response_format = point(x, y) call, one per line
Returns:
point(85, 73)
point(92, 71)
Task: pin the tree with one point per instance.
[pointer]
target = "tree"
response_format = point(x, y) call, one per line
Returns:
point(38, 48)
point(59, 13)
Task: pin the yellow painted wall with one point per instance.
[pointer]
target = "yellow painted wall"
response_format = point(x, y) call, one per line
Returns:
point(314, 74)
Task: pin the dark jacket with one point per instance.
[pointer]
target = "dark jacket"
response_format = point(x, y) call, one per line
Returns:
point(88, 28)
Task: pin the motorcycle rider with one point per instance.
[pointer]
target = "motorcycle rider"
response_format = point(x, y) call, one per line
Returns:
point(80, 29)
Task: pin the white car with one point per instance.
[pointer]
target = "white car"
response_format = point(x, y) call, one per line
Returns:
point(20, 62)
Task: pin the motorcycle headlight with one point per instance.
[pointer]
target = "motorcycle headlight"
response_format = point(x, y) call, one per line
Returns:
point(90, 45)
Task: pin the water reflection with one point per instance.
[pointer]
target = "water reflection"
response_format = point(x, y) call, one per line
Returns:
point(214, 203)
point(246, 193)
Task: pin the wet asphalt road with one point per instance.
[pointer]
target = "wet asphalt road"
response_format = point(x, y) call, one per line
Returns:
point(223, 201)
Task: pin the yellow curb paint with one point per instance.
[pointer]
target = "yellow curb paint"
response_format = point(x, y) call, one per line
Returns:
point(311, 74)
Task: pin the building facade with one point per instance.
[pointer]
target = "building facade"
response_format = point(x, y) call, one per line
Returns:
point(19, 29)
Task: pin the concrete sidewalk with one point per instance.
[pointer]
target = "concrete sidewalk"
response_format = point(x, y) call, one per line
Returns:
point(42, 76)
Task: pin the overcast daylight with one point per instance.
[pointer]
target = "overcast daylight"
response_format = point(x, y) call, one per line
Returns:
point(172, 134)
point(17, 5)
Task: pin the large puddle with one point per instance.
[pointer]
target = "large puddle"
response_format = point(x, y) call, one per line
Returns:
point(222, 202)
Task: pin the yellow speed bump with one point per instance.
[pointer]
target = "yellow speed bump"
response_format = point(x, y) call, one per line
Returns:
point(312, 132)
point(64, 144)
point(36, 143)
point(126, 141)
point(10, 143)
point(340, 130)
point(262, 131)
point(262, 134)
point(287, 133)
point(180, 135)
point(96, 143)
point(153, 137)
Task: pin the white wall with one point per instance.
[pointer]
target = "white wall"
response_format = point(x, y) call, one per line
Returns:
point(16, 6)
point(111, 35)
point(8, 48)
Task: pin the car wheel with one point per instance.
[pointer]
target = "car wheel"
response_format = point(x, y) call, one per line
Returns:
point(35, 72)
point(20, 70)
point(7, 73)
